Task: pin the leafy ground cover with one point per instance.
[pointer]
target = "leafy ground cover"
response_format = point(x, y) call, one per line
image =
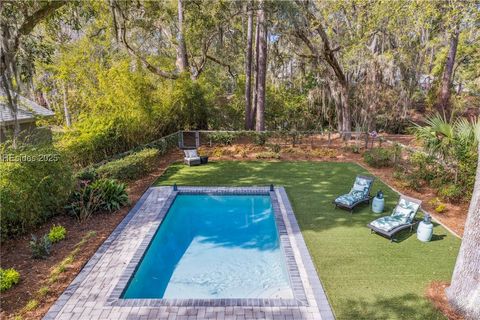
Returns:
point(365, 276)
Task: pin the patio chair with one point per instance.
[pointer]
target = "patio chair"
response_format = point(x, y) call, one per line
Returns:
point(360, 193)
point(402, 217)
point(191, 157)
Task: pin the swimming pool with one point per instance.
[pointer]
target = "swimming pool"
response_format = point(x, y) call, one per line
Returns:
point(213, 246)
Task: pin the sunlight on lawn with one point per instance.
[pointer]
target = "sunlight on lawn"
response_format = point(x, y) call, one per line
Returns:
point(365, 276)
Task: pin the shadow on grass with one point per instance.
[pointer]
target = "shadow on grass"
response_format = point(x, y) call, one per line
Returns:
point(408, 306)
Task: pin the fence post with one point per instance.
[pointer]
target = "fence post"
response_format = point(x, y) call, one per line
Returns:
point(180, 139)
point(197, 139)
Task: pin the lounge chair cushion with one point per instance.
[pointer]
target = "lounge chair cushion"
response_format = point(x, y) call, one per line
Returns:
point(405, 214)
point(191, 153)
point(387, 223)
point(350, 198)
point(405, 210)
point(361, 185)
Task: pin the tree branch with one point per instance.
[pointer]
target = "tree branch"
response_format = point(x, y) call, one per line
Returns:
point(122, 30)
point(229, 68)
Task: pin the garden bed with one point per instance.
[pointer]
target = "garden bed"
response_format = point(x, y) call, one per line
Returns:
point(35, 274)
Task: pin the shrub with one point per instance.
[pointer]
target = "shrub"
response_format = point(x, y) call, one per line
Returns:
point(275, 148)
point(440, 208)
point(57, 233)
point(378, 157)
point(33, 188)
point(84, 201)
point(451, 192)
point(87, 174)
point(261, 138)
point(113, 194)
point(31, 305)
point(131, 166)
point(217, 152)
point(101, 195)
point(40, 247)
point(8, 278)
point(267, 155)
point(225, 138)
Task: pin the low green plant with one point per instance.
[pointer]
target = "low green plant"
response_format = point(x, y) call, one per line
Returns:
point(113, 194)
point(378, 157)
point(261, 138)
point(275, 148)
point(451, 192)
point(43, 291)
point(8, 278)
point(225, 138)
point(130, 167)
point(101, 195)
point(40, 247)
point(267, 155)
point(438, 205)
point(31, 305)
point(440, 208)
point(87, 174)
point(57, 233)
point(84, 201)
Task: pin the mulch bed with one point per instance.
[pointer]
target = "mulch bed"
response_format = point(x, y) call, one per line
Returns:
point(34, 273)
point(436, 294)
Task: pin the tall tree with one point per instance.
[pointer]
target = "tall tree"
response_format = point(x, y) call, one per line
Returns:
point(262, 67)
point(248, 69)
point(340, 89)
point(464, 291)
point(11, 38)
point(446, 84)
point(182, 58)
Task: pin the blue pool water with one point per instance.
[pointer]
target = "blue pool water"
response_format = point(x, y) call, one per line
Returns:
point(210, 247)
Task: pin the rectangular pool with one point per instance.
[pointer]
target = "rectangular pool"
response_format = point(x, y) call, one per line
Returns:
point(213, 247)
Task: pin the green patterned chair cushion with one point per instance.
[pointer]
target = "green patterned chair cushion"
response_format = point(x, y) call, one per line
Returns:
point(405, 210)
point(404, 214)
point(361, 185)
point(350, 198)
point(387, 223)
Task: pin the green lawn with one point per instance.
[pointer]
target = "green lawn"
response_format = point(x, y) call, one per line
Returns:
point(365, 276)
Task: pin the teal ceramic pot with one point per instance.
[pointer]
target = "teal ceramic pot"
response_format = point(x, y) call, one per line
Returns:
point(378, 205)
point(425, 231)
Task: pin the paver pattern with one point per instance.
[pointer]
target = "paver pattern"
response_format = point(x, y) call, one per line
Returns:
point(95, 292)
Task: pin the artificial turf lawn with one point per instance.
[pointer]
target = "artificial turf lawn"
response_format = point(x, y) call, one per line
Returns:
point(365, 276)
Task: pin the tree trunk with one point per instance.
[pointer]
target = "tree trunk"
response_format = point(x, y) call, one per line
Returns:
point(182, 59)
point(248, 70)
point(443, 104)
point(464, 291)
point(65, 106)
point(253, 110)
point(262, 68)
point(346, 113)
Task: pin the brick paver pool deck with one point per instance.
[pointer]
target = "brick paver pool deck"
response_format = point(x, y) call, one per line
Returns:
point(95, 292)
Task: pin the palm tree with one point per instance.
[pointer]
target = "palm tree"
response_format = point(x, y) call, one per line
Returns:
point(464, 291)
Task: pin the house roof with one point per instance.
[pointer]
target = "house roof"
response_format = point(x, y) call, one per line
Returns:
point(28, 110)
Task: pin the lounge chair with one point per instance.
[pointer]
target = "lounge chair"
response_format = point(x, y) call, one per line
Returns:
point(191, 157)
point(402, 217)
point(360, 193)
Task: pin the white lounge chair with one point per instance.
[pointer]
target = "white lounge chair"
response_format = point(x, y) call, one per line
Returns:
point(402, 217)
point(191, 157)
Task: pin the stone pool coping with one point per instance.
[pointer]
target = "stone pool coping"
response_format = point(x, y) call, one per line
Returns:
point(95, 292)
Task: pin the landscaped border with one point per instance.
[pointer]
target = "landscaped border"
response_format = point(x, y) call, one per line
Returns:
point(83, 298)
